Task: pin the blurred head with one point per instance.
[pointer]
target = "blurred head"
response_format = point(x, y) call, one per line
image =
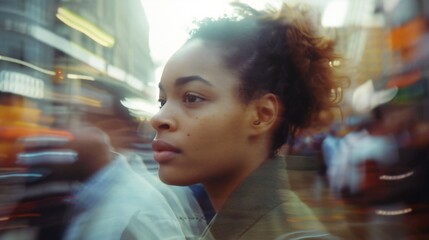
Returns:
point(121, 126)
point(240, 88)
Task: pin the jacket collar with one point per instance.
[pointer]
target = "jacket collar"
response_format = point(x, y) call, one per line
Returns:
point(258, 194)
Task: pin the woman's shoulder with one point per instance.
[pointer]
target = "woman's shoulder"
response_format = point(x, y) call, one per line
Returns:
point(289, 220)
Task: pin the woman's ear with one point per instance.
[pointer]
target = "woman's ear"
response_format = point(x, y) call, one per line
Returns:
point(266, 111)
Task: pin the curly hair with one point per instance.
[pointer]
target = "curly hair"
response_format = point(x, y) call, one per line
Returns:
point(277, 52)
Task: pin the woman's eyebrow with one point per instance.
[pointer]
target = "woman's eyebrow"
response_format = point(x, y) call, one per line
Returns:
point(184, 80)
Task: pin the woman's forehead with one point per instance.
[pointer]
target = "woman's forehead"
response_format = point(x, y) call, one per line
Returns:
point(196, 58)
point(197, 52)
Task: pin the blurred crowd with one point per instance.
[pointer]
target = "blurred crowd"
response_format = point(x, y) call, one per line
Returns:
point(375, 158)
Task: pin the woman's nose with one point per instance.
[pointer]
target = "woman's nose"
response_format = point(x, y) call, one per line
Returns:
point(161, 121)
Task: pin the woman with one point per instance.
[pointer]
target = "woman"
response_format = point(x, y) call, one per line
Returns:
point(230, 98)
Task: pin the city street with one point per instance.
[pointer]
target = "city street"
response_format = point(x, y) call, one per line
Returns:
point(359, 222)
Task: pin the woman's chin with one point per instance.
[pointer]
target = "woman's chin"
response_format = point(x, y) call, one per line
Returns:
point(171, 178)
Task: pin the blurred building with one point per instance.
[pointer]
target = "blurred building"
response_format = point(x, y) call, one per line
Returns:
point(408, 37)
point(385, 45)
point(55, 50)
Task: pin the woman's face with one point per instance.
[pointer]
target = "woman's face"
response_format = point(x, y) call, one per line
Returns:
point(201, 126)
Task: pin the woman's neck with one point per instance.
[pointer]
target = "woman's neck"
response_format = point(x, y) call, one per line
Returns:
point(220, 189)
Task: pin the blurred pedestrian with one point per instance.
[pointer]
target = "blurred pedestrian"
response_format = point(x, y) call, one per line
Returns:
point(230, 97)
point(106, 192)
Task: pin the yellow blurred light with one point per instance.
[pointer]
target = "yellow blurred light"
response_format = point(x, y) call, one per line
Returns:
point(76, 99)
point(27, 64)
point(82, 25)
point(81, 77)
point(87, 101)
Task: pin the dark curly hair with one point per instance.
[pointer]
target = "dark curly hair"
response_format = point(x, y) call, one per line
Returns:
point(277, 52)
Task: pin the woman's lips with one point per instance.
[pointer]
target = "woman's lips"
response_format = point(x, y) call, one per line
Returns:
point(163, 151)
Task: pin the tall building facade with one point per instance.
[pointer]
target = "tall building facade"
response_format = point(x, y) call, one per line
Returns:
point(63, 52)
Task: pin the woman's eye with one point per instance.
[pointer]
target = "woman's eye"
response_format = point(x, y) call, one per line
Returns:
point(191, 98)
point(161, 102)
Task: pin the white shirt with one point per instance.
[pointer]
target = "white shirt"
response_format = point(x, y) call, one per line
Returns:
point(105, 204)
